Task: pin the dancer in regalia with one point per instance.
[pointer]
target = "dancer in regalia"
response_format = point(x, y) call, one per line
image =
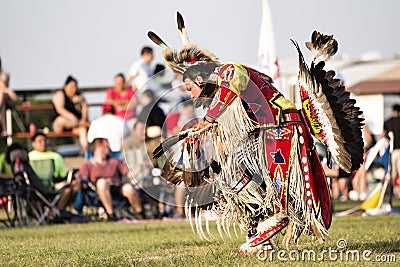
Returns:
point(256, 148)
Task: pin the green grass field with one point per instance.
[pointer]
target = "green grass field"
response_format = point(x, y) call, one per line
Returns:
point(174, 244)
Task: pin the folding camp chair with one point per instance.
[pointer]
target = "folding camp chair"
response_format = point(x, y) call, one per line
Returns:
point(44, 169)
point(6, 195)
point(33, 198)
point(88, 197)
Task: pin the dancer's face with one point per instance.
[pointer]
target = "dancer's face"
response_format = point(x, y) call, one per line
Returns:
point(193, 88)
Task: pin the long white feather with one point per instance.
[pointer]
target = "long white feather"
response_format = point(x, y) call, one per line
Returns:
point(219, 228)
point(202, 234)
point(188, 212)
point(208, 224)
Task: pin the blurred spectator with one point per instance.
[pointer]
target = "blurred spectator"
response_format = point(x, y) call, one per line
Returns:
point(111, 127)
point(138, 161)
point(181, 120)
point(180, 196)
point(106, 174)
point(153, 117)
point(178, 93)
point(7, 98)
point(159, 72)
point(332, 172)
point(141, 70)
point(151, 114)
point(159, 68)
point(136, 156)
point(368, 137)
point(122, 98)
point(169, 89)
point(5, 168)
point(57, 180)
point(343, 187)
point(393, 125)
point(180, 88)
point(159, 82)
point(332, 176)
point(359, 181)
point(71, 111)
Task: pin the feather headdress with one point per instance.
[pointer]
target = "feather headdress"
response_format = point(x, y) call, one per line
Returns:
point(190, 54)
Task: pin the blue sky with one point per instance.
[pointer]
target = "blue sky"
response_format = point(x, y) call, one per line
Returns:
point(43, 41)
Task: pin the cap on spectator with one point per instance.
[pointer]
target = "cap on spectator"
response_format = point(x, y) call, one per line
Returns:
point(107, 108)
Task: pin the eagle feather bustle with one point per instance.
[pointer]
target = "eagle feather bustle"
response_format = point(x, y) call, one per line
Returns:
point(337, 113)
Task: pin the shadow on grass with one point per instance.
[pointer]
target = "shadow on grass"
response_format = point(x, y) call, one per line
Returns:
point(384, 246)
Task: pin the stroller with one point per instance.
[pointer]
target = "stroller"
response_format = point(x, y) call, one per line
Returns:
point(32, 199)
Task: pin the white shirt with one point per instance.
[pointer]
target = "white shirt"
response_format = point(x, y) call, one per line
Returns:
point(110, 127)
point(141, 73)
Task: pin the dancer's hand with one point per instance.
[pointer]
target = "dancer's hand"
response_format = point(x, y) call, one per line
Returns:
point(205, 121)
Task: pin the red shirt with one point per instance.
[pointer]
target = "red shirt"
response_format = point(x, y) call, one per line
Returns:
point(172, 121)
point(125, 96)
point(112, 169)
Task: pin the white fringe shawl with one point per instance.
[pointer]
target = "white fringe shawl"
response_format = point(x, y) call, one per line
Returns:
point(234, 126)
point(240, 148)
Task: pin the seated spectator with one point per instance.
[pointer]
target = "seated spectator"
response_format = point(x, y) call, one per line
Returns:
point(7, 98)
point(57, 179)
point(123, 99)
point(181, 120)
point(5, 168)
point(71, 111)
point(106, 174)
point(111, 127)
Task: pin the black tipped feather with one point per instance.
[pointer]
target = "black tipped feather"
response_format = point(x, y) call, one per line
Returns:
point(347, 115)
point(167, 144)
point(157, 40)
point(182, 29)
point(180, 21)
point(322, 45)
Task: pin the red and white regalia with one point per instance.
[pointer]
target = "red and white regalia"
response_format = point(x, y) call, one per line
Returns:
point(256, 149)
